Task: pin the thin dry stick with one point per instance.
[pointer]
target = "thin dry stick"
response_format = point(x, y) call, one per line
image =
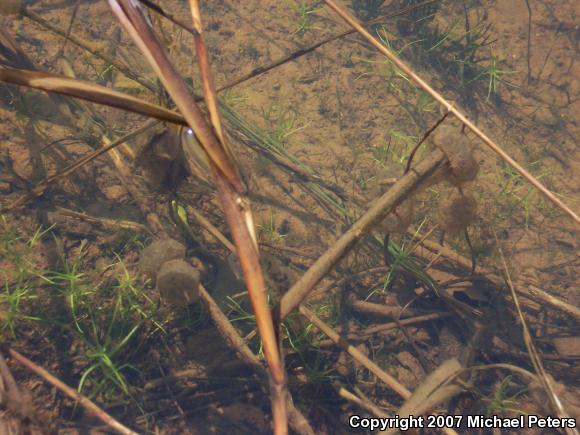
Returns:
point(425, 136)
point(144, 202)
point(364, 404)
point(451, 108)
point(212, 230)
point(68, 30)
point(378, 329)
point(421, 239)
point(73, 394)
point(325, 289)
point(103, 222)
point(374, 309)
point(405, 322)
point(391, 382)
point(403, 188)
point(374, 409)
point(529, 54)
point(229, 332)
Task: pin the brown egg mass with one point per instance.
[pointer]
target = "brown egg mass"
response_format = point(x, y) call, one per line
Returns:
point(454, 144)
point(154, 255)
point(456, 211)
point(178, 282)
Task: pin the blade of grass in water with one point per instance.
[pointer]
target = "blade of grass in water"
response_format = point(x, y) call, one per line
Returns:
point(258, 136)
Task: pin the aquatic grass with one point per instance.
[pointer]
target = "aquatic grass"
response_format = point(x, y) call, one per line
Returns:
point(22, 277)
point(300, 336)
point(105, 361)
point(462, 52)
point(455, 52)
point(297, 336)
point(246, 318)
point(388, 71)
point(194, 316)
point(396, 149)
point(493, 75)
point(242, 314)
point(133, 298)
point(111, 317)
point(113, 334)
point(283, 123)
point(269, 230)
point(70, 280)
point(304, 10)
point(406, 141)
point(320, 370)
point(400, 257)
point(441, 38)
point(259, 136)
point(383, 154)
point(424, 104)
point(232, 98)
point(11, 309)
point(503, 400)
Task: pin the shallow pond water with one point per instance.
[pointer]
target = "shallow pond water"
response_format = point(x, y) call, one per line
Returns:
point(314, 135)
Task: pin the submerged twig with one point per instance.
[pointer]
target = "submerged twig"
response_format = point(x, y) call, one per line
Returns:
point(378, 210)
point(425, 136)
point(73, 394)
point(391, 382)
point(221, 321)
point(528, 290)
point(364, 404)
